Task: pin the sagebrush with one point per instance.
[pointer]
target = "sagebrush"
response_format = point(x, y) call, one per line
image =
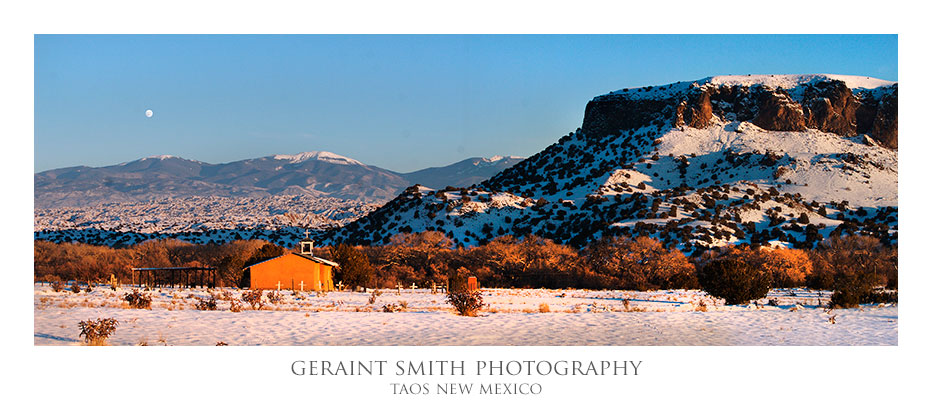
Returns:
point(96, 332)
point(138, 300)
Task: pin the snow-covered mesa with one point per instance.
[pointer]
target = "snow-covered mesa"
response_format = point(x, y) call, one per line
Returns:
point(789, 82)
point(692, 164)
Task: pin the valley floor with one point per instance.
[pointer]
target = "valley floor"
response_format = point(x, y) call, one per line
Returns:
point(512, 317)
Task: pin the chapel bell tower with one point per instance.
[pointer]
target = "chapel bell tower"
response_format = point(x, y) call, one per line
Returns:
point(306, 245)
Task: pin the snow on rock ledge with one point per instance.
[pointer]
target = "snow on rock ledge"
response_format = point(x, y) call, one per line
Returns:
point(843, 105)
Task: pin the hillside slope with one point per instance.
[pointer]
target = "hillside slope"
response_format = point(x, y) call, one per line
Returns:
point(463, 173)
point(787, 159)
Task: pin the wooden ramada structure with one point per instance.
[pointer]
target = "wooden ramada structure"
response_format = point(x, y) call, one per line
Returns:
point(175, 276)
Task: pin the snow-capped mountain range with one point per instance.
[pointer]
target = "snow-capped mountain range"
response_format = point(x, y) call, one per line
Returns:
point(766, 159)
point(316, 174)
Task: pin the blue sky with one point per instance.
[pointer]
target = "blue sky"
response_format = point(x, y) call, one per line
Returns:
point(397, 102)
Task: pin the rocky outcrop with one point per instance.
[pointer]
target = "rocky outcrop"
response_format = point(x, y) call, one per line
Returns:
point(831, 107)
point(607, 115)
point(697, 113)
point(884, 125)
point(827, 105)
point(777, 111)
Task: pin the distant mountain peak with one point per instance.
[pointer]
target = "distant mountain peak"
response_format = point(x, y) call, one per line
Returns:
point(160, 157)
point(320, 156)
point(498, 158)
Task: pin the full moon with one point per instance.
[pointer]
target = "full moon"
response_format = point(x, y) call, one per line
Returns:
point(148, 113)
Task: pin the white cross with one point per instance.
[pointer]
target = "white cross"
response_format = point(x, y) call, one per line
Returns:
point(413, 287)
point(278, 285)
point(307, 233)
point(302, 284)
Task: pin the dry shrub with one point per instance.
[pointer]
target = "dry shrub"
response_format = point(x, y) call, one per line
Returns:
point(209, 303)
point(96, 332)
point(372, 297)
point(235, 306)
point(391, 308)
point(466, 303)
point(253, 297)
point(544, 308)
point(138, 300)
point(274, 297)
point(58, 286)
point(225, 295)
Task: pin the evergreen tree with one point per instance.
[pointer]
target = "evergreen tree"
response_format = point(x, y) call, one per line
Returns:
point(266, 252)
point(354, 269)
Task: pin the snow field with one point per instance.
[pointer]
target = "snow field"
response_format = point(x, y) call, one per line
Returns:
point(513, 317)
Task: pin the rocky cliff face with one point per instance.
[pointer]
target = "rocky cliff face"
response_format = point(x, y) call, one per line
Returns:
point(827, 105)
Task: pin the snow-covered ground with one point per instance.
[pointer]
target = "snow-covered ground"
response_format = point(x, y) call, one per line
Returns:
point(512, 317)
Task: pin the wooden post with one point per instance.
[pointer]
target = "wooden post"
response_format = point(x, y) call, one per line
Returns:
point(302, 284)
point(278, 285)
